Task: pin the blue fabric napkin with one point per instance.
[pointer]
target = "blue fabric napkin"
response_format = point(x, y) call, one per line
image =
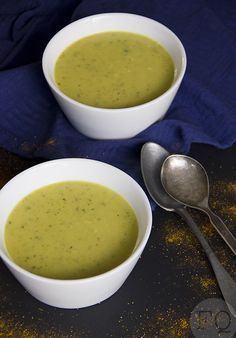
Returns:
point(31, 122)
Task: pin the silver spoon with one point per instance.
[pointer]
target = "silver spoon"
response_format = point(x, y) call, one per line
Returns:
point(186, 180)
point(152, 157)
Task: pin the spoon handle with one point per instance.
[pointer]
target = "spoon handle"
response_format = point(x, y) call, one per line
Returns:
point(222, 229)
point(225, 282)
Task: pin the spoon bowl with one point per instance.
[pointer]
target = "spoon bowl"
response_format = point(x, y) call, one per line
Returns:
point(152, 157)
point(183, 176)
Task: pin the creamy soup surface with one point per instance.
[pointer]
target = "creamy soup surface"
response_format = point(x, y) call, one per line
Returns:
point(114, 70)
point(71, 230)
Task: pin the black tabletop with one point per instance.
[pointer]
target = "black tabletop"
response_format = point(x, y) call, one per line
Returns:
point(170, 279)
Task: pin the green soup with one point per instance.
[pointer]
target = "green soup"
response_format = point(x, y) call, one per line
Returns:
point(71, 230)
point(114, 70)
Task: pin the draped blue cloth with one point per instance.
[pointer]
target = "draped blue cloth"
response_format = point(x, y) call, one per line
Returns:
point(31, 122)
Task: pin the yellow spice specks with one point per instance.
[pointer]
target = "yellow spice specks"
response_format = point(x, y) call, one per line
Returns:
point(206, 283)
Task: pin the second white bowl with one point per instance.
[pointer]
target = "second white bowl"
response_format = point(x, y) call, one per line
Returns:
point(81, 292)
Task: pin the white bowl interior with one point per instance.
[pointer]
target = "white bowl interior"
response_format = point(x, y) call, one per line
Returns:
point(74, 169)
point(113, 22)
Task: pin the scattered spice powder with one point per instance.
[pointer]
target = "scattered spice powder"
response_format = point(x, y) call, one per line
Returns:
point(208, 230)
point(27, 147)
point(207, 283)
point(223, 202)
point(184, 323)
point(171, 325)
point(183, 244)
point(231, 210)
point(50, 142)
point(16, 328)
point(11, 328)
point(227, 259)
point(31, 147)
point(178, 236)
point(230, 187)
point(162, 324)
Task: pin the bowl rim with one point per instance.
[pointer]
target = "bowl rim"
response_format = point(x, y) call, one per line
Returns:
point(136, 252)
point(114, 110)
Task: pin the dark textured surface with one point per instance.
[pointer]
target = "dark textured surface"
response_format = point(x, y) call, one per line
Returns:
point(170, 279)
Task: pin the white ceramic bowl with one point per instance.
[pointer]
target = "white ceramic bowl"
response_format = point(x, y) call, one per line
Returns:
point(81, 292)
point(122, 123)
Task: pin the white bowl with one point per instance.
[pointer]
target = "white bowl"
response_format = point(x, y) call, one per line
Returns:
point(81, 292)
point(101, 123)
